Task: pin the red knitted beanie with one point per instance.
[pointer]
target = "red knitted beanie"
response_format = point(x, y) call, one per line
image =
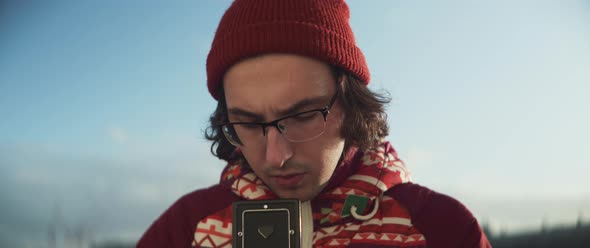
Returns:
point(313, 28)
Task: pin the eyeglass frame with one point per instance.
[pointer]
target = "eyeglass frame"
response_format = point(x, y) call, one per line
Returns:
point(275, 123)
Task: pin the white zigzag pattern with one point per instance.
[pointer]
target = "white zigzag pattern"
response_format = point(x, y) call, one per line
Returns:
point(331, 231)
point(339, 242)
point(399, 237)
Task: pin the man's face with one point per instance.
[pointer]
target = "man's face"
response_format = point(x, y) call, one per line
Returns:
point(265, 88)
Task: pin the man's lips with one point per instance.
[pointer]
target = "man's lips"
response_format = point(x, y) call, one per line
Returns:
point(287, 174)
point(288, 180)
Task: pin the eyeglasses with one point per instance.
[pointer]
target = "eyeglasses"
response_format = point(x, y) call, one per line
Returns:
point(299, 127)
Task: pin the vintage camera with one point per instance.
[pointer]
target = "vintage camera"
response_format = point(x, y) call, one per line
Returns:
point(267, 223)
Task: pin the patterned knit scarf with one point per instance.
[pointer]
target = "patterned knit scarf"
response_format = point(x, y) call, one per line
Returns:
point(374, 221)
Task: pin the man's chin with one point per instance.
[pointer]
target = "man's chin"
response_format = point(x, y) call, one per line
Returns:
point(297, 194)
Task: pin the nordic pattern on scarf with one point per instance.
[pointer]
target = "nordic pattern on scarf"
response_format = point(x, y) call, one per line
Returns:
point(379, 170)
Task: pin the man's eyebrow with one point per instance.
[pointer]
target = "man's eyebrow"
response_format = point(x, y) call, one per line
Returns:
point(245, 113)
point(297, 107)
point(300, 105)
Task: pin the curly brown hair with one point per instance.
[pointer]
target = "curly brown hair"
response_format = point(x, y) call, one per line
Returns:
point(364, 125)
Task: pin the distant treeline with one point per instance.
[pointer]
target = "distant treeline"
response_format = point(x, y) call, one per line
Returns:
point(569, 236)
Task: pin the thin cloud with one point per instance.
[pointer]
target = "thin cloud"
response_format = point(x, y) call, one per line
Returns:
point(418, 157)
point(118, 134)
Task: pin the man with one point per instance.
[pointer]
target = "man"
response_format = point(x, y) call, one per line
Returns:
point(296, 120)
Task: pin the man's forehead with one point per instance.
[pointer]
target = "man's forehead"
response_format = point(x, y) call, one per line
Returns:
point(276, 82)
point(284, 103)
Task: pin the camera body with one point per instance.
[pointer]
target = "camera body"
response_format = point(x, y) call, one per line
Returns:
point(266, 223)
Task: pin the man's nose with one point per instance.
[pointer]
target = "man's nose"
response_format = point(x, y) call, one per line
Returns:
point(278, 149)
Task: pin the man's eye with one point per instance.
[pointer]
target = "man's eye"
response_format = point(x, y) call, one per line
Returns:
point(249, 126)
point(305, 117)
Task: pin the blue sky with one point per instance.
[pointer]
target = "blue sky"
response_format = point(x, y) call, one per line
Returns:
point(103, 105)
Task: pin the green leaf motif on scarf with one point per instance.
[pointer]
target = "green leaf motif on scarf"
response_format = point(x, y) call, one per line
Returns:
point(360, 202)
